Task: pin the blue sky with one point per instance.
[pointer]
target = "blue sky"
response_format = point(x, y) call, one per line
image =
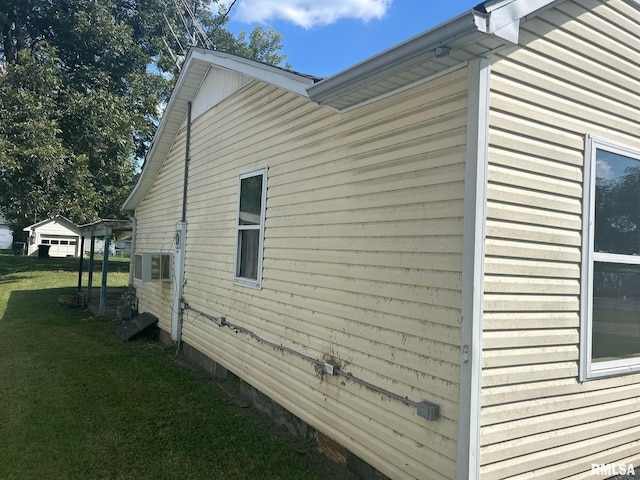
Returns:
point(324, 37)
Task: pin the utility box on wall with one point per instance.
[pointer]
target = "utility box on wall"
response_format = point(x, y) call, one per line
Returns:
point(152, 267)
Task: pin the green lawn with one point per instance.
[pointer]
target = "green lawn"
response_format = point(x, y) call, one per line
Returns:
point(78, 403)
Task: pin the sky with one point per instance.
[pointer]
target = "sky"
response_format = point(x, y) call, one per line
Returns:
point(324, 37)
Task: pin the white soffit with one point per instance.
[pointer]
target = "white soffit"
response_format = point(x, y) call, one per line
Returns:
point(479, 32)
point(194, 71)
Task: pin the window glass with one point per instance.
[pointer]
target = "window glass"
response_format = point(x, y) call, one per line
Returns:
point(250, 227)
point(616, 311)
point(248, 245)
point(617, 204)
point(250, 200)
point(610, 314)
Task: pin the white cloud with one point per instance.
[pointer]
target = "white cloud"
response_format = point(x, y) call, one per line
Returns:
point(309, 13)
point(604, 170)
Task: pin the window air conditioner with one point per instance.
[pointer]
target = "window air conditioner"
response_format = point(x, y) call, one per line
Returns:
point(152, 267)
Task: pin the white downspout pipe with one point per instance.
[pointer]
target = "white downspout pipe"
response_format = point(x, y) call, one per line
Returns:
point(177, 307)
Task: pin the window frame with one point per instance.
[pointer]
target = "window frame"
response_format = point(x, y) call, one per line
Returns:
point(246, 281)
point(590, 370)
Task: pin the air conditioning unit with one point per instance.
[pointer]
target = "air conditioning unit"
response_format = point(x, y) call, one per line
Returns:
point(152, 267)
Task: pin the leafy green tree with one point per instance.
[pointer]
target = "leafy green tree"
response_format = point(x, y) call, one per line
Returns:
point(81, 82)
point(39, 175)
point(263, 46)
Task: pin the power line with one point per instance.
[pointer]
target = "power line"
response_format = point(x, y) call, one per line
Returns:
point(224, 17)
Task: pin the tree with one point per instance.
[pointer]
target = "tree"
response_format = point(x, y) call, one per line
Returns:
point(37, 170)
point(81, 82)
point(263, 46)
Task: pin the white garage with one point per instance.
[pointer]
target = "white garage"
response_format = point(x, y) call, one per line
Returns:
point(6, 235)
point(62, 236)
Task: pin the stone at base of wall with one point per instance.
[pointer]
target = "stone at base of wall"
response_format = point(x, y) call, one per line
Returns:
point(278, 414)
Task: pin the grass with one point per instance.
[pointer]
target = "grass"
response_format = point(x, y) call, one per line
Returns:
point(78, 403)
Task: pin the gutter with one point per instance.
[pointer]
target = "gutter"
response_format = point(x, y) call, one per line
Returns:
point(498, 18)
point(392, 58)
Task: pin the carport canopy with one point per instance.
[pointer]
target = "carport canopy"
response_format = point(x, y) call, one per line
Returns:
point(100, 229)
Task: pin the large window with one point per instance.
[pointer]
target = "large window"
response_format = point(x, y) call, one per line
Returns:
point(250, 227)
point(610, 336)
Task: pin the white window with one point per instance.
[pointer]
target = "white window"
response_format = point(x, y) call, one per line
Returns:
point(252, 197)
point(610, 329)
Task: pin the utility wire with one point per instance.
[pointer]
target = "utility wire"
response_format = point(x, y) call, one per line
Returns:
point(224, 18)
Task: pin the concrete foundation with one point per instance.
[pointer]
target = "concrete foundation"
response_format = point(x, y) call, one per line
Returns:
point(276, 413)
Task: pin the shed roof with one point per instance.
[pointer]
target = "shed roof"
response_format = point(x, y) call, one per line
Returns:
point(59, 219)
point(486, 28)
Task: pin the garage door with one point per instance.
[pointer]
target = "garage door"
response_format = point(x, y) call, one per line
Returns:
point(61, 246)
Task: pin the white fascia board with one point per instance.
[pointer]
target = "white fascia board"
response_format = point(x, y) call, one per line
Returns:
point(500, 18)
point(392, 58)
point(195, 68)
point(503, 17)
point(172, 113)
point(279, 77)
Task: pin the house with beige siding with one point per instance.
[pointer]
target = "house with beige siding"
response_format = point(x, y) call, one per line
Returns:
point(431, 258)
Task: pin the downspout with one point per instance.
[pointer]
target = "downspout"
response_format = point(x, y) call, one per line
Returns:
point(475, 214)
point(177, 307)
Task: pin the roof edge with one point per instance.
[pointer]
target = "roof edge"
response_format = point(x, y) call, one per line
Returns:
point(175, 111)
point(56, 218)
point(500, 18)
point(441, 35)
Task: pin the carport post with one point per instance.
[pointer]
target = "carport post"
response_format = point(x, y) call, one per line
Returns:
point(92, 254)
point(105, 269)
point(81, 267)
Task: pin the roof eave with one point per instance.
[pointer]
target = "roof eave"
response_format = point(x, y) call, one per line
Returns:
point(392, 58)
point(177, 103)
point(195, 69)
point(497, 18)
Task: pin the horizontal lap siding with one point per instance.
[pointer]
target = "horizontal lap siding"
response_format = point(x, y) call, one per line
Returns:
point(156, 217)
point(362, 262)
point(538, 420)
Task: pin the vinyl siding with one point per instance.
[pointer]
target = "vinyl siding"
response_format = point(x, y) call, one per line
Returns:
point(577, 73)
point(362, 260)
point(156, 217)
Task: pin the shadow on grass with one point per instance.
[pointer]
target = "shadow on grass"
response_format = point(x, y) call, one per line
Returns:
point(39, 307)
point(79, 403)
point(22, 263)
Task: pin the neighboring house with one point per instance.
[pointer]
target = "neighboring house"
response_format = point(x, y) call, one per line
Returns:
point(122, 248)
point(61, 235)
point(98, 246)
point(6, 235)
point(452, 222)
